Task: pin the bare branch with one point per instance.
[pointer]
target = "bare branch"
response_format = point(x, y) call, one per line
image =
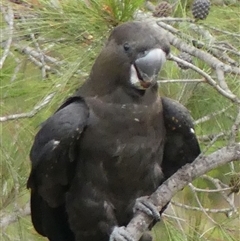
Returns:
point(9, 19)
point(205, 34)
point(31, 51)
point(208, 210)
point(235, 127)
point(211, 45)
point(39, 52)
point(36, 58)
point(149, 6)
point(221, 78)
point(211, 115)
point(8, 219)
point(210, 190)
point(227, 45)
point(209, 79)
point(210, 144)
point(178, 181)
point(170, 19)
point(210, 137)
point(222, 31)
point(17, 68)
point(182, 81)
point(178, 220)
point(30, 114)
point(216, 182)
point(200, 204)
point(206, 57)
point(227, 50)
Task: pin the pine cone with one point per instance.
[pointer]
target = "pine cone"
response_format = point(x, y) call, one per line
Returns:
point(185, 56)
point(163, 9)
point(235, 183)
point(200, 9)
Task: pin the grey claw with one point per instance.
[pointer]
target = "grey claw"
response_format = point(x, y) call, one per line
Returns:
point(120, 234)
point(144, 205)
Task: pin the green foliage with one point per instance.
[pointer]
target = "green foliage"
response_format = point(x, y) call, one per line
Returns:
point(74, 33)
point(122, 10)
point(183, 8)
point(99, 13)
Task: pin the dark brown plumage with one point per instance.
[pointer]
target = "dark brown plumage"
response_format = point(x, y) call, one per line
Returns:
point(181, 145)
point(103, 147)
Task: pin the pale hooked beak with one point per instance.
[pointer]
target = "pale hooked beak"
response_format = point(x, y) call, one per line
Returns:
point(145, 70)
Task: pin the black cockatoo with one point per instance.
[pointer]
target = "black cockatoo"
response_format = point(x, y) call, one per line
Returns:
point(110, 144)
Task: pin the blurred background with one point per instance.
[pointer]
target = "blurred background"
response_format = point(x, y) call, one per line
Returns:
point(47, 49)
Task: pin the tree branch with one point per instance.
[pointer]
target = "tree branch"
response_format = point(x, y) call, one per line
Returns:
point(211, 115)
point(235, 127)
point(178, 181)
point(181, 81)
point(6, 220)
point(208, 210)
point(206, 57)
point(31, 113)
point(9, 19)
point(225, 92)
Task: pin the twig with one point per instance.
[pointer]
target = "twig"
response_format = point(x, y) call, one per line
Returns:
point(222, 31)
point(208, 210)
point(209, 79)
point(170, 19)
point(35, 55)
point(229, 46)
point(30, 114)
point(149, 6)
point(206, 57)
point(44, 74)
point(178, 221)
point(205, 34)
point(17, 68)
point(189, 39)
point(211, 179)
point(9, 19)
point(40, 64)
point(210, 137)
point(182, 92)
point(211, 190)
point(181, 81)
point(6, 220)
point(173, 217)
point(216, 182)
point(227, 50)
point(235, 127)
point(200, 204)
point(178, 181)
point(221, 78)
point(211, 115)
point(210, 144)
